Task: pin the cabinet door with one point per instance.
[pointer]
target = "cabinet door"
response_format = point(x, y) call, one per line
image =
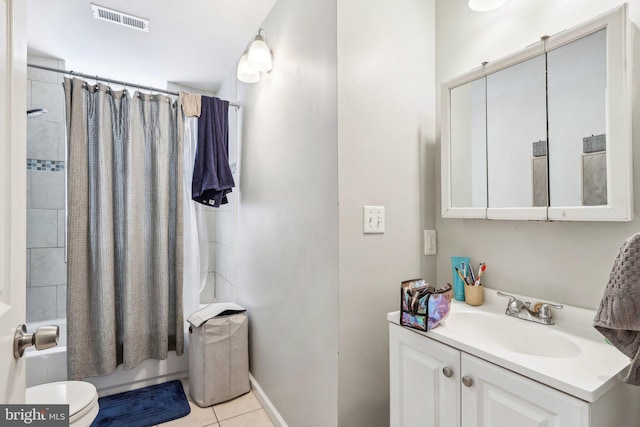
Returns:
point(498, 397)
point(421, 394)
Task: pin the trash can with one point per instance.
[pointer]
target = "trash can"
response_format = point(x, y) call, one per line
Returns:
point(218, 353)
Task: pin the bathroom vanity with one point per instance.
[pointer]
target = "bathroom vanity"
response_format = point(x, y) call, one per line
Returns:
point(483, 368)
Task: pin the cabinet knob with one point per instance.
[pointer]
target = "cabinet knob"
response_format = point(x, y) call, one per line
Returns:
point(447, 371)
point(467, 381)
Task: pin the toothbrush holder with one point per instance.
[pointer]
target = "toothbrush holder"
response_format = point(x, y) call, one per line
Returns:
point(474, 295)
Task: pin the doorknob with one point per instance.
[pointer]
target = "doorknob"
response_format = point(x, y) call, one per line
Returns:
point(45, 337)
point(467, 381)
point(447, 371)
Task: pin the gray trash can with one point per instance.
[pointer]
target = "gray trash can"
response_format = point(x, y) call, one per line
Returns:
point(218, 353)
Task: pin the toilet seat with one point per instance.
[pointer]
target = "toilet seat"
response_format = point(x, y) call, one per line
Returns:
point(82, 398)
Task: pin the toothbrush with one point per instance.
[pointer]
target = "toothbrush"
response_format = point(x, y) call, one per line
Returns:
point(481, 270)
point(464, 279)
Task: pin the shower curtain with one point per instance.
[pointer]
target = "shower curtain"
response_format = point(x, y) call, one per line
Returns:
point(196, 239)
point(125, 237)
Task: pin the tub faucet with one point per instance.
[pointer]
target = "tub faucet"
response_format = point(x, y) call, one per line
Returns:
point(522, 310)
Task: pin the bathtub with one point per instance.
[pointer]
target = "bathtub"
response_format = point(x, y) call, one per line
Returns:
point(51, 365)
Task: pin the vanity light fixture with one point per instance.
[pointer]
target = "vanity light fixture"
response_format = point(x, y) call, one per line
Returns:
point(260, 54)
point(256, 58)
point(485, 5)
point(246, 73)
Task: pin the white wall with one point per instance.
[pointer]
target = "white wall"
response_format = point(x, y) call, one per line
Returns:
point(318, 134)
point(386, 107)
point(565, 262)
point(288, 215)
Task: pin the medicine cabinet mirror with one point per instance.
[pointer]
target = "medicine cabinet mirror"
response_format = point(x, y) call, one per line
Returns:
point(545, 133)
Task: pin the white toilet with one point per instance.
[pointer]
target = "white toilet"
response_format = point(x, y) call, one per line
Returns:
point(82, 398)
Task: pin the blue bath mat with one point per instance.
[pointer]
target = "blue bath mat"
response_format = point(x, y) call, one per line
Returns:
point(144, 407)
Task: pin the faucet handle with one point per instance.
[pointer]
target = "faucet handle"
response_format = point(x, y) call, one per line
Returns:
point(512, 299)
point(543, 309)
point(514, 305)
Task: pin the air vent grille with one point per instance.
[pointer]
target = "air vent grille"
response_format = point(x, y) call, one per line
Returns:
point(120, 18)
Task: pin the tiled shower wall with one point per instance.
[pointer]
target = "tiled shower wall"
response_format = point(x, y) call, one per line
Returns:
point(221, 278)
point(221, 222)
point(222, 228)
point(46, 266)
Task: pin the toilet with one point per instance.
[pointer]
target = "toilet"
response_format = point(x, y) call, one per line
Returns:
point(82, 398)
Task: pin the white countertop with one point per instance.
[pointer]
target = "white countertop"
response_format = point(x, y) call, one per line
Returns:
point(582, 363)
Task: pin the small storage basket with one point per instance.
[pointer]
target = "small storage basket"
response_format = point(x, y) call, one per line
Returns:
point(423, 307)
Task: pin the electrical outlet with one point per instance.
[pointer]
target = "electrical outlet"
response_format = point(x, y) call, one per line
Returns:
point(429, 242)
point(373, 220)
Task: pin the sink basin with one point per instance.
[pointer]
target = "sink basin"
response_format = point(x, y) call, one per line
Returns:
point(511, 334)
point(570, 356)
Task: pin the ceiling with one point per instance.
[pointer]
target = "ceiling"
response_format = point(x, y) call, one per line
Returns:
point(195, 43)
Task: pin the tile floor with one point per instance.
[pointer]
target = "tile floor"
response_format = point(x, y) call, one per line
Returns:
point(243, 411)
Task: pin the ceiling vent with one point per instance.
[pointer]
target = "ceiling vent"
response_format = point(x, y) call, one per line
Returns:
point(120, 18)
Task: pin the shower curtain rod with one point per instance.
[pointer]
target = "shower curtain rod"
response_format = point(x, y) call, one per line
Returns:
point(118, 82)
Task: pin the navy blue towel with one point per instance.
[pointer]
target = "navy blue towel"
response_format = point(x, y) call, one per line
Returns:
point(212, 177)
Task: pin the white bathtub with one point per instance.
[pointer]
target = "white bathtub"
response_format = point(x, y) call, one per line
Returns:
point(51, 365)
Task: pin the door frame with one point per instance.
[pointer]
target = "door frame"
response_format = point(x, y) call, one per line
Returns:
point(13, 193)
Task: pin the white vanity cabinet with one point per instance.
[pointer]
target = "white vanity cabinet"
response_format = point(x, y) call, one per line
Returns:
point(433, 384)
point(421, 393)
point(498, 397)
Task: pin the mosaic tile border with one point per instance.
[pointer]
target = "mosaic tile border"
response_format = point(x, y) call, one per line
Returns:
point(45, 165)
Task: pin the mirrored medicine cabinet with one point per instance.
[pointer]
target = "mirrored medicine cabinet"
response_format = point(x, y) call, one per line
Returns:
point(545, 133)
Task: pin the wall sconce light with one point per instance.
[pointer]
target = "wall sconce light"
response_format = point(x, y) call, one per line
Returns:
point(256, 58)
point(246, 73)
point(485, 5)
point(259, 53)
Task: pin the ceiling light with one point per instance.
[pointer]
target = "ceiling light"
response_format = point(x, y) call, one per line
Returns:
point(485, 5)
point(259, 54)
point(246, 73)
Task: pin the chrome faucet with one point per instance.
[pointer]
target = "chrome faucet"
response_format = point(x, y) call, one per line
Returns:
point(522, 310)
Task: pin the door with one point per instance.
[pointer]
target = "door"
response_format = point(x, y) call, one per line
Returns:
point(493, 396)
point(13, 204)
point(425, 381)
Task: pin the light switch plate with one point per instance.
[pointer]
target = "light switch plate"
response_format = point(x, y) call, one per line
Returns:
point(373, 222)
point(429, 242)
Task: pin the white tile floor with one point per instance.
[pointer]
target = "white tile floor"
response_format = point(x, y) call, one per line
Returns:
point(244, 411)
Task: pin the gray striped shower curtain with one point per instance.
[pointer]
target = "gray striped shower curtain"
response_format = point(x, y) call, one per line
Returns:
point(124, 241)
